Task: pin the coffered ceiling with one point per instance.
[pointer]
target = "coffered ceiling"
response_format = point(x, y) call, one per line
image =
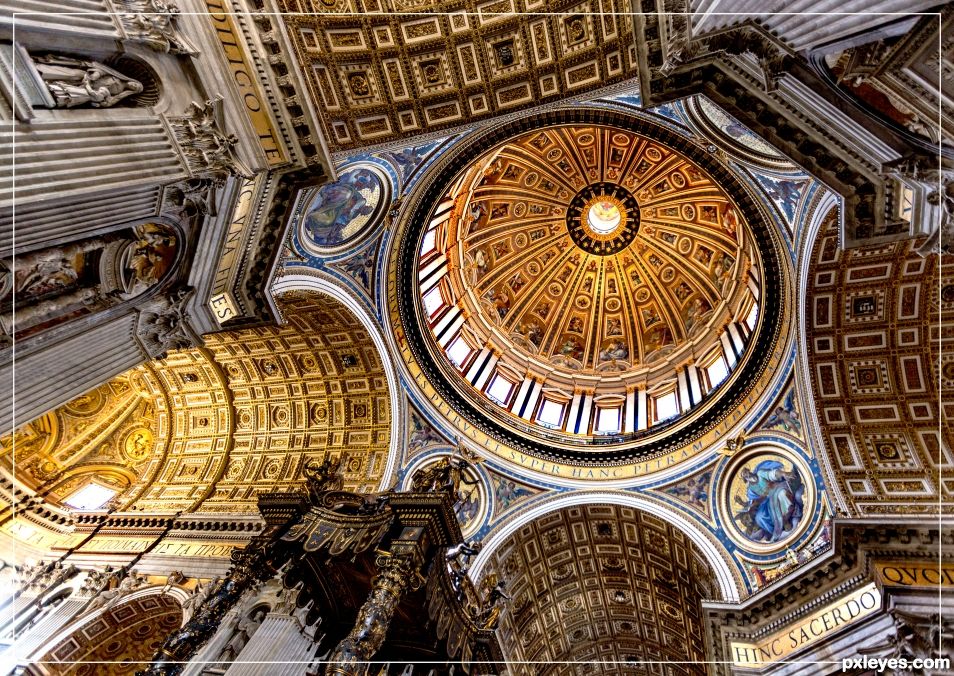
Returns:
point(380, 70)
point(878, 353)
point(600, 583)
point(211, 428)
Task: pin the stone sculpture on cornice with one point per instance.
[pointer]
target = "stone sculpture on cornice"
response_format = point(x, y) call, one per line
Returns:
point(208, 151)
point(164, 324)
point(153, 23)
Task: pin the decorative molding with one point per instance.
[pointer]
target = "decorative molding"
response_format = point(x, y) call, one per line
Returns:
point(208, 152)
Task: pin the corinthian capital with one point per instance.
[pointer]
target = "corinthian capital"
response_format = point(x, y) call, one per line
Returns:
point(164, 324)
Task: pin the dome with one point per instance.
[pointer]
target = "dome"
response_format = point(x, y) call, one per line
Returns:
point(587, 284)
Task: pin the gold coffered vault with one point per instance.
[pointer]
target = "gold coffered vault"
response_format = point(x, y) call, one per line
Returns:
point(524, 337)
point(384, 70)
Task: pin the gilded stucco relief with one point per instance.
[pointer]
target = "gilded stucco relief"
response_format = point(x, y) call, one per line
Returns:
point(109, 436)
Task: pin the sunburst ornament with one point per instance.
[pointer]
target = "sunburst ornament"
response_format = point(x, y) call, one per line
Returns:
point(603, 218)
point(604, 215)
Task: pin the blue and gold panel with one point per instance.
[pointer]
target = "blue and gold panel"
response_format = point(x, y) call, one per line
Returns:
point(769, 497)
point(339, 213)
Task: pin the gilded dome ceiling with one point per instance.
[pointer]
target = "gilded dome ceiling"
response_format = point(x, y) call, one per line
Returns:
point(649, 252)
point(587, 282)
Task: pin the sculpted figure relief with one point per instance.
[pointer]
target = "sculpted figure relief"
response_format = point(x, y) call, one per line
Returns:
point(323, 476)
point(153, 23)
point(109, 598)
point(54, 285)
point(74, 82)
point(245, 628)
point(208, 150)
point(197, 597)
point(915, 636)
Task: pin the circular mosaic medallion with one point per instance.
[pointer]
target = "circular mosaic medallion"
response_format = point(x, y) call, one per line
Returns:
point(768, 498)
point(339, 213)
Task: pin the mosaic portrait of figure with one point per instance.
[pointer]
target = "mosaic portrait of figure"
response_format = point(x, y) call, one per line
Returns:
point(340, 210)
point(768, 497)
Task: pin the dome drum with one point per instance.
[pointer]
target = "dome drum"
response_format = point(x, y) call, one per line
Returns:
point(588, 289)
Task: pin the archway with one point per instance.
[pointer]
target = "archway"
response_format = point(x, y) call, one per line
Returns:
point(602, 588)
point(727, 586)
point(209, 429)
point(307, 281)
point(118, 641)
point(873, 370)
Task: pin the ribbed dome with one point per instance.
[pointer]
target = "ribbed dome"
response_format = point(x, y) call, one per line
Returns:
point(589, 248)
point(588, 286)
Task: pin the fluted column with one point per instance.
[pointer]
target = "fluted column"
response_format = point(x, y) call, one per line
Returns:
point(52, 376)
point(277, 648)
point(84, 17)
point(43, 631)
point(83, 151)
point(256, 563)
point(41, 224)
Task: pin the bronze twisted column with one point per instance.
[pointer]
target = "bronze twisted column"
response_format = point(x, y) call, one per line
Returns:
point(396, 575)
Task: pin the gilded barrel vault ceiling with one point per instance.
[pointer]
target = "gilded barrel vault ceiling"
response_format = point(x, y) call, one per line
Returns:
point(119, 641)
point(220, 424)
point(109, 432)
point(595, 583)
point(878, 352)
point(381, 70)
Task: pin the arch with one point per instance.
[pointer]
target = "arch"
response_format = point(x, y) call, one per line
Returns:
point(627, 586)
point(85, 438)
point(173, 598)
point(729, 584)
point(138, 68)
point(308, 282)
point(827, 202)
point(869, 358)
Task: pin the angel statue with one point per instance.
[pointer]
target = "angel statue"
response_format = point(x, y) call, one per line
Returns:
point(323, 476)
point(108, 598)
point(197, 597)
point(74, 82)
point(446, 474)
point(458, 564)
point(488, 616)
